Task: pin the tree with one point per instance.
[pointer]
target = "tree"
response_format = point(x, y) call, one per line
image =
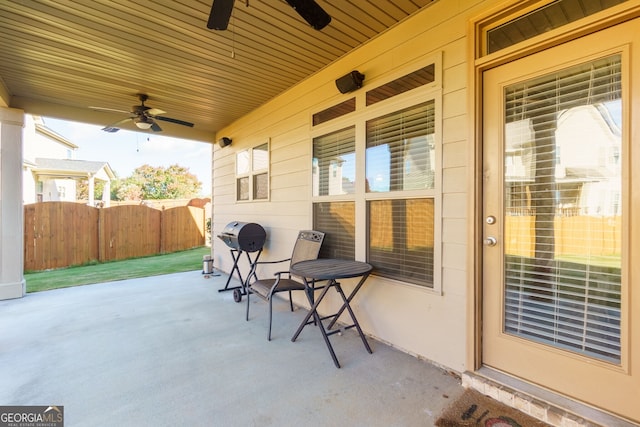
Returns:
point(153, 183)
point(82, 189)
point(128, 191)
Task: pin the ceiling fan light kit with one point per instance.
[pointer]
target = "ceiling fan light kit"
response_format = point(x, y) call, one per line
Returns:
point(142, 122)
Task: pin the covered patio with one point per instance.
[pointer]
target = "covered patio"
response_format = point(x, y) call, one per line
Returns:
point(172, 350)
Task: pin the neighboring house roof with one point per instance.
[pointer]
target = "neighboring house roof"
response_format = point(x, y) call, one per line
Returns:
point(43, 130)
point(72, 168)
point(28, 164)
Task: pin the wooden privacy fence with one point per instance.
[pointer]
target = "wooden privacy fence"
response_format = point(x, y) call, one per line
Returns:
point(573, 235)
point(62, 234)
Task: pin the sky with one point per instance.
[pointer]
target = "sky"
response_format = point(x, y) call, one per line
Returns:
point(127, 150)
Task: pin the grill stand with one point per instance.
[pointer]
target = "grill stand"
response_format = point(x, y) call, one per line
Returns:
point(239, 291)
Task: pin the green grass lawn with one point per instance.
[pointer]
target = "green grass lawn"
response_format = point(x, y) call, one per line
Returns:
point(117, 270)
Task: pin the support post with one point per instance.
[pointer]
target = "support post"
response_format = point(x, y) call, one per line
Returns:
point(12, 282)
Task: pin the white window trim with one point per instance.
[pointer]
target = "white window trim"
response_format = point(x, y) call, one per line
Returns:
point(252, 173)
point(432, 91)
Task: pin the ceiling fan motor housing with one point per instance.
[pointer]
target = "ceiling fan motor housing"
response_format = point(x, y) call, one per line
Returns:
point(139, 109)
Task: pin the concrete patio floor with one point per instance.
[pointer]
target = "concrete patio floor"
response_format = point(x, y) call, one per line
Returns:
point(173, 351)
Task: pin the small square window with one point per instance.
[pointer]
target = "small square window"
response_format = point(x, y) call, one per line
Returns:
point(252, 173)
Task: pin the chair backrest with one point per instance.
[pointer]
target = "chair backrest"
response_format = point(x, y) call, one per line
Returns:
point(307, 246)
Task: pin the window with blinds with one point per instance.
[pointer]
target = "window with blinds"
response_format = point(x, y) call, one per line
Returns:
point(383, 168)
point(401, 239)
point(338, 221)
point(401, 150)
point(563, 209)
point(400, 157)
point(334, 163)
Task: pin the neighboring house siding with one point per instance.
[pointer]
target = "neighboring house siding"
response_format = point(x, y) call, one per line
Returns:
point(40, 142)
point(59, 190)
point(29, 185)
point(36, 144)
point(390, 311)
point(50, 172)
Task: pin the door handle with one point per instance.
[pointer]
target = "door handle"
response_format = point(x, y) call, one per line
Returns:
point(490, 241)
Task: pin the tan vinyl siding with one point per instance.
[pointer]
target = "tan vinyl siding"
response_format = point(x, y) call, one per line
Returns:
point(389, 310)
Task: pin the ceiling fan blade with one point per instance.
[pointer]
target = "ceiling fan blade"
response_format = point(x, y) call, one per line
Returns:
point(176, 121)
point(311, 12)
point(220, 14)
point(115, 127)
point(154, 111)
point(155, 127)
point(112, 110)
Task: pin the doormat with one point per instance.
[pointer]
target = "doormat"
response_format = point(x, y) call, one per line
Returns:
point(476, 409)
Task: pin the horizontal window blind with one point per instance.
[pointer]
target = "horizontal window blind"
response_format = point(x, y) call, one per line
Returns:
point(338, 221)
point(587, 84)
point(334, 163)
point(401, 239)
point(562, 228)
point(401, 150)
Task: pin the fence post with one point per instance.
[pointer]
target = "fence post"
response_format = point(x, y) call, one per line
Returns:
point(100, 235)
point(161, 231)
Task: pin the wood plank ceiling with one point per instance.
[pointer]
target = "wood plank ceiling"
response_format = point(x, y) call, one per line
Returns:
point(58, 58)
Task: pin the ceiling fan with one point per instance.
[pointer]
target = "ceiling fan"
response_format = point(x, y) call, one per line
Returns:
point(307, 9)
point(142, 116)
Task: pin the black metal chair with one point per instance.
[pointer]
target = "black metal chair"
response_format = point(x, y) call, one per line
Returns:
point(307, 247)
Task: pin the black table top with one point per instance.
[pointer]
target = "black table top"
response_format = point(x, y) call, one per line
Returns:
point(327, 269)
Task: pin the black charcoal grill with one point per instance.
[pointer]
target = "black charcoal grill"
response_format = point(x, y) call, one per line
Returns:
point(243, 236)
point(247, 237)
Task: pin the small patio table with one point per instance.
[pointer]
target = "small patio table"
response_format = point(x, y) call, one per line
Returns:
point(330, 270)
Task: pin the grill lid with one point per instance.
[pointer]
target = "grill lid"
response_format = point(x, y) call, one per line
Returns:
point(244, 236)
